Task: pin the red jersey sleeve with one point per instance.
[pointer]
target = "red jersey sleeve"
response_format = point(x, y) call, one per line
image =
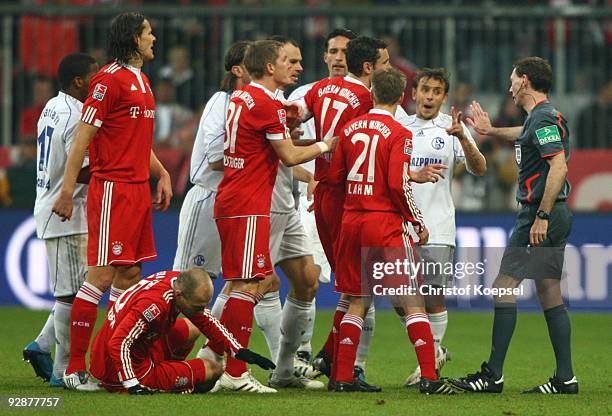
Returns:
point(104, 92)
point(215, 331)
point(274, 121)
point(141, 316)
point(399, 178)
point(337, 171)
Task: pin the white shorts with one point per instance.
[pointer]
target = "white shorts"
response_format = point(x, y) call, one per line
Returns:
point(435, 259)
point(67, 261)
point(312, 235)
point(199, 244)
point(287, 237)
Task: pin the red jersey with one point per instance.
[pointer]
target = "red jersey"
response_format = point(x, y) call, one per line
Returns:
point(121, 104)
point(372, 161)
point(140, 316)
point(333, 102)
point(254, 117)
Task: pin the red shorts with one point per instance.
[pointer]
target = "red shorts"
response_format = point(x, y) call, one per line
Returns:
point(328, 208)
point(165, 370)
point(119, 223)
point(245, 247)
point(366, 239)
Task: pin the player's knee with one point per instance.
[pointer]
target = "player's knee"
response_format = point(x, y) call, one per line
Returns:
point(214, 370)
point(270, 284)
point(101, 277)
point(127, 276)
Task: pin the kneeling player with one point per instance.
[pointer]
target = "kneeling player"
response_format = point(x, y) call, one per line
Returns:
point(142, 346)
point(372, 161)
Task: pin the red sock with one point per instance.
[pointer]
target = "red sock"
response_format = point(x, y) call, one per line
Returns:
point(419, 333)
point(83, 319)
point(341, 309)
point(348, 341)
point(237, 317)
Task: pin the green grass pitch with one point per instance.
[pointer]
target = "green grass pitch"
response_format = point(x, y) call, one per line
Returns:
point(530, 361)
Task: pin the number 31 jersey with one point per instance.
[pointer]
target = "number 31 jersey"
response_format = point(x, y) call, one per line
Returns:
point(254, 117)
point(333, 102)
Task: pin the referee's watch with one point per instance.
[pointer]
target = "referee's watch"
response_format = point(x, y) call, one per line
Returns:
point(543, 215)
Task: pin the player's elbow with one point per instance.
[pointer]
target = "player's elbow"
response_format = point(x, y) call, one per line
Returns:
point(289, 160)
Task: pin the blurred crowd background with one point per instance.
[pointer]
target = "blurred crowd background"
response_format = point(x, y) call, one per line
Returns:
point(477, 40)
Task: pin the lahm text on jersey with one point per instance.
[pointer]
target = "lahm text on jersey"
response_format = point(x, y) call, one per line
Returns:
point(146, 113)
point(356, 188)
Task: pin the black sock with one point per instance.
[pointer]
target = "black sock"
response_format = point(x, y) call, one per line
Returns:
point(560, 330)
point(504, 322)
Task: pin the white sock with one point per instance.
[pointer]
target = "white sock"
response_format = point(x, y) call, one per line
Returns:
point(268, 316)
point(293, 325)
point(62, 337)
point(46, 338)
point(438, 323)
point(367, 331)
point(312, 313)
point(218, 306)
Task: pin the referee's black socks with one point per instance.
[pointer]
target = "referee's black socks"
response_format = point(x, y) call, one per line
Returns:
point(504, 322)
point(559, 330)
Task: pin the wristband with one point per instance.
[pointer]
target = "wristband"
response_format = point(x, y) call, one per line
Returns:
point(323, 147)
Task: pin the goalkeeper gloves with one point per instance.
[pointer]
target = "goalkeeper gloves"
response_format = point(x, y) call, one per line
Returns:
point(254, 358)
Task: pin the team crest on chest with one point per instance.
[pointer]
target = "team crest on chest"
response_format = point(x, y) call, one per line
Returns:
point(117, 248)
point(99, 92)
point(437, 143)
point(261, 261)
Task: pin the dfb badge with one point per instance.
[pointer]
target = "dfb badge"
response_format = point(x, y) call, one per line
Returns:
point(99, 92)
point(117, 248)
point(151, 312)
point(261, 261)
point(408, 146)
point(282, 116)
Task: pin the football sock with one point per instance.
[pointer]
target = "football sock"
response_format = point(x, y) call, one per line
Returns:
point(307, 336)
point(341, 309)
point(559, 330)
point(114, 294)
point(61, 322)
point(367, 332)
point(268, 317)
point(237, 317)
point(350, 332)
point(293, 324)
point(438, 322)
point(504, 322)
point(83, 319)
point(219, 304)
point(420, 335)
point(46, 338)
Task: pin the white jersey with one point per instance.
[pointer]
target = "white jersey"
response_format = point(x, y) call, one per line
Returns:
point(208, 144)
point(56, 129)
point(431, 144)
point(282, 193)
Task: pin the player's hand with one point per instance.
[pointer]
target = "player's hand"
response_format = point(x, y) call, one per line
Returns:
point(423, 234)
point(164, 192)
point(63, 206)
point(295, 114)
point(480, 120)
point(332, 143)
point(310, 189)
point(310, 208)
point(139, 390)
point(456, 129)
point(430, 173)
point(296, 134)
point(538, 232)
point(254, 358)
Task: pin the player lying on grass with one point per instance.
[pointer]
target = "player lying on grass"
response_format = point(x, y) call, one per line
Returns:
point(372, 164)
point(142, 345)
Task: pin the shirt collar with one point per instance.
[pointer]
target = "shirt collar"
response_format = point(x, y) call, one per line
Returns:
point(381, 112)
point(267, 91)
point(349, 78)
point(71, 99)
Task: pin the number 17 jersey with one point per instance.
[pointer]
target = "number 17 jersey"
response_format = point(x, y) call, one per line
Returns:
point(333, 102)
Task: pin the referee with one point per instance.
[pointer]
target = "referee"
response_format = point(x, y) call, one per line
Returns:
point(543, 225)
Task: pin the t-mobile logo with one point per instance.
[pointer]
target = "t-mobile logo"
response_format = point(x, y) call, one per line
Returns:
point(134, 111)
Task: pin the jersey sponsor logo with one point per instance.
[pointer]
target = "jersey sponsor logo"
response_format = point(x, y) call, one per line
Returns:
point(437, 143)
point(99, 92)
point(517, 153)
point(282, 116)
point(151, 312)
point(548, 134)
point(408, 146)
point(146, 113)
point(424, 161)
point(117, 248)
